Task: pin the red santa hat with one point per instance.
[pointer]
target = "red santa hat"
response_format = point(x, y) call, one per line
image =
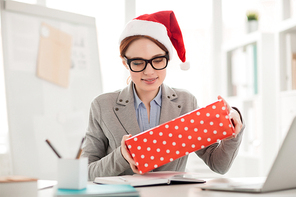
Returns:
point(162, 26)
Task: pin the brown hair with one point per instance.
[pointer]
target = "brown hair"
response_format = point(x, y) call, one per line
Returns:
point(128, 40)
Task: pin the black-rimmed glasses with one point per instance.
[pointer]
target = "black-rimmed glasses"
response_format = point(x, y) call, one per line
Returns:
point(139, 64)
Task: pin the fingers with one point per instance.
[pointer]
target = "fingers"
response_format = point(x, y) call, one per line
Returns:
point(135, 169)
point(236, 121)
point(234, 117)
point(125, 137)
point(125, 153)
point(228, 106)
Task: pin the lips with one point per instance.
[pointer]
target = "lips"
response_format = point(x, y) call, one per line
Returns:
point(150, 80)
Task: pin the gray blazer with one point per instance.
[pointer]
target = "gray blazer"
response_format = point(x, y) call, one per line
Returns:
point(113, 115)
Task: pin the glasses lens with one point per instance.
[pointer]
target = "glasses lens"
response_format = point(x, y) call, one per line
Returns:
point(159, 62)
point(137, 65)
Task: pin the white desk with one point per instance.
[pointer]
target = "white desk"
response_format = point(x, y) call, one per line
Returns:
point(187, 190)
point(192, 190)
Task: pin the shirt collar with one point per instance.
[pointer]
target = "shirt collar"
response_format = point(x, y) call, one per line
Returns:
point(138, 101)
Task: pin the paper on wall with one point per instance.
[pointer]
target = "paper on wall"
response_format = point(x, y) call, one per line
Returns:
point(21, 42)
point(54, 55)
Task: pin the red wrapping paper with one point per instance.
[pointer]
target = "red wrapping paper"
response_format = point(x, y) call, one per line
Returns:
point(181, 136)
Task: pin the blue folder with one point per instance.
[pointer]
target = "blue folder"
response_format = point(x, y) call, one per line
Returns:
point(99, 190)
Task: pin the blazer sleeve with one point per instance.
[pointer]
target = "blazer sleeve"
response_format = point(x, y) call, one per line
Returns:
point(103, 159)
point(220, 156)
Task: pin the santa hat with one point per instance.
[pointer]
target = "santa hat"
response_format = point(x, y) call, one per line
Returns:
point(162, 26)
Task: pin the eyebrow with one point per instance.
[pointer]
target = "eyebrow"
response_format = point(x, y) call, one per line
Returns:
point(157, 55)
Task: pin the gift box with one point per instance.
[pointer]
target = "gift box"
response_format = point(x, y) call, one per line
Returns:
point(181, 136)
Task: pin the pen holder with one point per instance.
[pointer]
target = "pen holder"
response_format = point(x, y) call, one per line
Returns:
point(72, 173)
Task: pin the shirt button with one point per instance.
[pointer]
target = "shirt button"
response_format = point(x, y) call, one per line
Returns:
point(126, 101)
point(120, 100)
point(116, 109)
point(179, 106)
point(169, 97)
point(174, 95)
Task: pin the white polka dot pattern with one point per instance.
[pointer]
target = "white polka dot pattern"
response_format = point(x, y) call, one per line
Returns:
point(181, 136)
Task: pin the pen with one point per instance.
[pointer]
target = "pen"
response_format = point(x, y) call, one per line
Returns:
point(123, 179)
point(79, 150)
point(48, 142)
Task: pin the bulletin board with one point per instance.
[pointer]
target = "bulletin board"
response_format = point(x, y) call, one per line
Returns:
point(52, 73)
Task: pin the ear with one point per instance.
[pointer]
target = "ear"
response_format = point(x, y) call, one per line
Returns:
point(124, 62)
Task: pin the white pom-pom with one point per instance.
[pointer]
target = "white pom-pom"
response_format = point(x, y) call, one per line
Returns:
point(185, 66)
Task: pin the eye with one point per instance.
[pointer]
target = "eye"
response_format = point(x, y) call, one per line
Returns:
point(158, 60)
point(138, 63)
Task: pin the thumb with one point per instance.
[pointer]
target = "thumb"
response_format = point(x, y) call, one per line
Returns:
point(227, 105)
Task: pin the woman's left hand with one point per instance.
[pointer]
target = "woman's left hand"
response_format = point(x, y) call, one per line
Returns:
point(234, 117)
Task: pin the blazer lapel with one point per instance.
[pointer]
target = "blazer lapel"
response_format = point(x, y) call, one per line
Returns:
point(125, 111)
point(126, 114)
point(169, 109)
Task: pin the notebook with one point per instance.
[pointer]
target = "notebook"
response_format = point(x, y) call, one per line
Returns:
point(99, 190)
point(148, 179)
point(282, 174)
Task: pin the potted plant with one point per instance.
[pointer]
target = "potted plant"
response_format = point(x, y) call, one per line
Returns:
point(252, 21)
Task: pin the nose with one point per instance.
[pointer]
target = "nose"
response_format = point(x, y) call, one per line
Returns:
point(148, 70)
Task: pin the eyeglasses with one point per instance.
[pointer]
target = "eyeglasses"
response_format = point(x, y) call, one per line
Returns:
point(157, 63)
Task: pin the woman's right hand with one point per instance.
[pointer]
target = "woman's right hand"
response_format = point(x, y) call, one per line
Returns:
point(126, 155)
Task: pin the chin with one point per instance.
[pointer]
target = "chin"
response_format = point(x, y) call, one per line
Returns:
point(152, 87)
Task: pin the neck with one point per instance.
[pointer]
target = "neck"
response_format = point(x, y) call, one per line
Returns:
point(147, 96)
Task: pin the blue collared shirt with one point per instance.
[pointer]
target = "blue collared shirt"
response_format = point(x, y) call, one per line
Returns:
point(141, 111)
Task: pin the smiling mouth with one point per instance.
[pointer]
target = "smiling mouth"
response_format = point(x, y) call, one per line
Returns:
point(150, 80)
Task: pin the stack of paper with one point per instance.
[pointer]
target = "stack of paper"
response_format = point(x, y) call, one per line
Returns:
point(18, 186)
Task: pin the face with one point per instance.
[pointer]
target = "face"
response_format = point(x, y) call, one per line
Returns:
point(148, 80)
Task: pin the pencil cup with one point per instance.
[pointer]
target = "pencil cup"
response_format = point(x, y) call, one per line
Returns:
point(72, 173)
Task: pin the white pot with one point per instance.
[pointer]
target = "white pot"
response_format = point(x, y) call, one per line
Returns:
point(252, 26)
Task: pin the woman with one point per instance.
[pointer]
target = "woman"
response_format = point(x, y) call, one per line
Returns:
point(145, 49)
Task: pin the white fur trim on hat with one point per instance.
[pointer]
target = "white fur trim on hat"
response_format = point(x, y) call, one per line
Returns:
point(149, 28)
point(185, 66)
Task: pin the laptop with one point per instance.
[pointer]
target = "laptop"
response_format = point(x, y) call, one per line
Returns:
point(281, 176)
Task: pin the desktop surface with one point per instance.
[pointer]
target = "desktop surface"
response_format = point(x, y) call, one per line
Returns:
point(191, 190)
